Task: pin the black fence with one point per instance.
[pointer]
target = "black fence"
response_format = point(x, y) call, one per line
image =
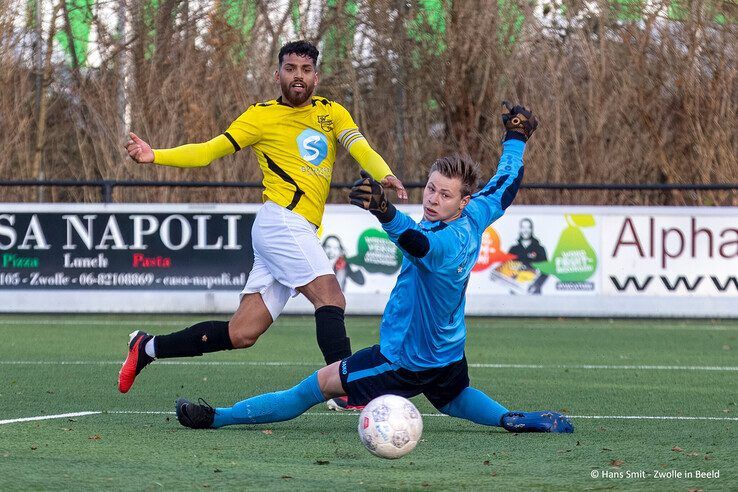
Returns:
point(106, 186)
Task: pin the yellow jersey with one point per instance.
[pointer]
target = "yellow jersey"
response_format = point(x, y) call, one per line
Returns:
point(296, 149)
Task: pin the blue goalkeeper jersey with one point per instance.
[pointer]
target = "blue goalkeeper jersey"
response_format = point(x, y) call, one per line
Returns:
point(423, 324)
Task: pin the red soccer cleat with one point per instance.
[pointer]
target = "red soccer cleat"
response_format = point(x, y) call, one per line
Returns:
point(341, 404)
point(137, 359)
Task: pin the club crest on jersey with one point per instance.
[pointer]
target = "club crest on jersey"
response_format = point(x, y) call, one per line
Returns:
point(313, 146)
point(325, 122)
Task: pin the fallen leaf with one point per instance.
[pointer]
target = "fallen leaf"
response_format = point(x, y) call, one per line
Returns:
point(494, 473)
point(217, 470)
point(579, 443)
point(708, 457)
point(486, 462)
point(677, 449)
point(425, 484)
point(606, 449)
point(321, 462)
point(286, 477)
point(617, 463)
point(695, 490)
point(693, 453)
point(726, 347)
point(96, 437)
point(267, 432)
point(34, 448)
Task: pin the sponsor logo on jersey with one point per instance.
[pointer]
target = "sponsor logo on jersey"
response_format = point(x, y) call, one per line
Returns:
point(313, 146)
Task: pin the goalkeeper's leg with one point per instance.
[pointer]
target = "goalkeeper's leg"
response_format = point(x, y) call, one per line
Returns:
point(472, 404)
point(266, 408)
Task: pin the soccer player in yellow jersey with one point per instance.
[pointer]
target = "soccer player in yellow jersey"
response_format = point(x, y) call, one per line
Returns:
point(295, 139)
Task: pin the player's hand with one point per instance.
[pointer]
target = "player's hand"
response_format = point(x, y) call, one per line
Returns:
point(368, 194)
point(518, 119)
point(138, 150)
point(392, 183)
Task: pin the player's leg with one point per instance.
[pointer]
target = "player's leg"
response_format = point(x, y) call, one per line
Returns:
point(291, 250)
point(472, 404)
point(452, 395)
point(449, 392)
point(262, 301)
point(326, 296)
point(330, 329)
point(206, 336)
point(266, 408)
point(248, 323)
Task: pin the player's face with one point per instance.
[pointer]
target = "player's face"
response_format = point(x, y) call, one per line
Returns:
point(442, 198)
point(297, 78)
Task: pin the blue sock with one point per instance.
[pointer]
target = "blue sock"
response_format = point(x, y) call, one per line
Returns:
point(476, 406)
point(272, 407)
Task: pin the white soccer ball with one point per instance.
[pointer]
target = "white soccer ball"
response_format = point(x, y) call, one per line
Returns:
point(390, 426)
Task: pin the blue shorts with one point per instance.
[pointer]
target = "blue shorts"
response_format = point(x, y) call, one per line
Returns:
point(367, 374)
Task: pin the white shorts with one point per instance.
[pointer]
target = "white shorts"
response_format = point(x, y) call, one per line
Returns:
point(287, 255)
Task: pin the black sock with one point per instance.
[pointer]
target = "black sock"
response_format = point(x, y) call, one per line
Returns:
point(331, 333)
point(203, 337)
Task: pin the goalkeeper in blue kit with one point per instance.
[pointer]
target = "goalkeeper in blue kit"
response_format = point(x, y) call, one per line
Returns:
point(423, 332)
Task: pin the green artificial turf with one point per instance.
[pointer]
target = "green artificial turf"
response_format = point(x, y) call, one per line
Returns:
point(587, 368)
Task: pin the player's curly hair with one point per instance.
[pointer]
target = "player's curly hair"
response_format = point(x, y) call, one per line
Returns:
point(302, 48)
point(459, 166)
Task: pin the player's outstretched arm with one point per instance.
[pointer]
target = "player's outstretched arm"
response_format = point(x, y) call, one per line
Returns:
point(490, 202)
point(188, 155)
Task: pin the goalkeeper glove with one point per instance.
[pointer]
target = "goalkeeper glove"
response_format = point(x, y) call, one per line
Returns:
point(519, 122)
point(368, 194)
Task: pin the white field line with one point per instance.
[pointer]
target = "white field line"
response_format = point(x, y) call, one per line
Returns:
point(354, 414)
point(48, 417)
point(297, 319)
point(307, 364)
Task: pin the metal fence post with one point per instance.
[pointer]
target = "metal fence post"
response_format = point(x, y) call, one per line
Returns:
point(107, 191)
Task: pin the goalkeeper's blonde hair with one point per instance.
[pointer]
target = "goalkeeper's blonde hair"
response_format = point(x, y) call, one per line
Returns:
point(459, 166)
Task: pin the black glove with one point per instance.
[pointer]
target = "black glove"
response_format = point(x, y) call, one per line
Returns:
point(519, 122)
point(368, 194)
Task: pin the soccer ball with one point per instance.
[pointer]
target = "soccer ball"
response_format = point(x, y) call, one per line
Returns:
point(390, 426)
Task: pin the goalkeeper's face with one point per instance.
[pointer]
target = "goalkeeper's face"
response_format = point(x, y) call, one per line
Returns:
point(442, 198)
point(297, 79)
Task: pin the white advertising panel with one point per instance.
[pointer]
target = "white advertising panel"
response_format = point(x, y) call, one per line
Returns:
point(534, 261)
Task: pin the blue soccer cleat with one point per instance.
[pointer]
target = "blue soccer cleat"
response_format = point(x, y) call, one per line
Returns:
point(546, 421)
